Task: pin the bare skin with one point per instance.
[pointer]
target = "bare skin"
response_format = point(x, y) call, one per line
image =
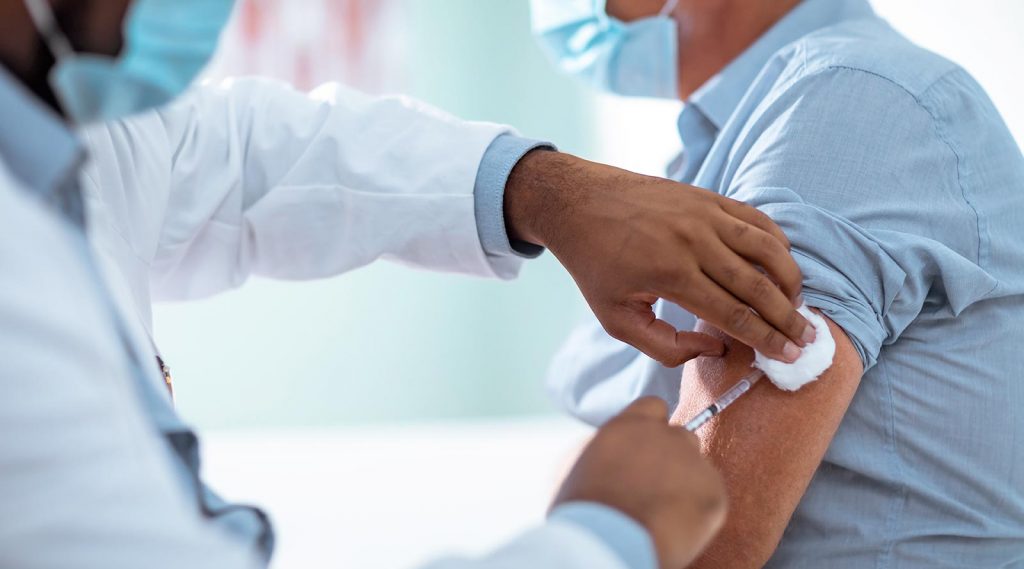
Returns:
point(711, 32)
point(768, 439)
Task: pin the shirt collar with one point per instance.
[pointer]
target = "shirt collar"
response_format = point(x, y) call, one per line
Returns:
point(721, 95)
point(35, 144)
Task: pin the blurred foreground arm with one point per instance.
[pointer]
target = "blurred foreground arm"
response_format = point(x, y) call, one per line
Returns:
point(86, 481)
point(767, 445)
point(639, 497)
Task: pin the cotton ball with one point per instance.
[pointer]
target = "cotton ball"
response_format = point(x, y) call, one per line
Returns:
point(813, 360)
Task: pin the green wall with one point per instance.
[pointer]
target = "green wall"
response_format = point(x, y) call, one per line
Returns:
point(388, 343)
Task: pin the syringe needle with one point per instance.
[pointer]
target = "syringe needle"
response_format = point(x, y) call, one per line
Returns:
point(728, 398)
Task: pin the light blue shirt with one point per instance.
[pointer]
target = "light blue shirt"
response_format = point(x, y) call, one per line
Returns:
point(902, 192)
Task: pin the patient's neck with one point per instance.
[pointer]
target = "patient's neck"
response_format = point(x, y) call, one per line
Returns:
point(712, 34)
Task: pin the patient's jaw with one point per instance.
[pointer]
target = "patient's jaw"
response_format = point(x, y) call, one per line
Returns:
point(711, 32)
point(767, 445)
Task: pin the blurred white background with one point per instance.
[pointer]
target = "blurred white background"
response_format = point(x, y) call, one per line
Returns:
point(389, 415)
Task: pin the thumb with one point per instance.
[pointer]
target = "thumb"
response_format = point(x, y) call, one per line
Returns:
point(647, 408)
point(637, 325)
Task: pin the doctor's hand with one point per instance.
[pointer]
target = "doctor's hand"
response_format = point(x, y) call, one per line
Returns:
point(629, 239)
point(655, 474)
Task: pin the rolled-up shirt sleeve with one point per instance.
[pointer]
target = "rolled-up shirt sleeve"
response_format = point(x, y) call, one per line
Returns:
point(878, 223)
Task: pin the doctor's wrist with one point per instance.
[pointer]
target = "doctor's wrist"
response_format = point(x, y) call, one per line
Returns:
point(540, 194)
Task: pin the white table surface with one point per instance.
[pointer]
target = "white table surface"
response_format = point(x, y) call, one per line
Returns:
point(395, 496)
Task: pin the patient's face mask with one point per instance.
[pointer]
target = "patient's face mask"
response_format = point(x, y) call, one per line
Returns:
point(637, 58)
point(167, 44)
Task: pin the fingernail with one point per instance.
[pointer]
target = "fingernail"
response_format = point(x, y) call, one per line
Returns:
point(790, 352)
point(798, 301)
point(810, 334)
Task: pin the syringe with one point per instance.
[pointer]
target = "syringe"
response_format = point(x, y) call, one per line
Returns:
point(728, 398)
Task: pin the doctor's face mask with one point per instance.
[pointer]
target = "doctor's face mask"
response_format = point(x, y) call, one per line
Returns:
point(637, 58)
point(167, 44)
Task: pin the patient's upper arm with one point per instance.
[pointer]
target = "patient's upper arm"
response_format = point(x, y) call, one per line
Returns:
point(767, 445)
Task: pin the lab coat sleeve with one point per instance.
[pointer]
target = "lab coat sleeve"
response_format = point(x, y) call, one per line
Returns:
point(85, 480)
point(250, 177)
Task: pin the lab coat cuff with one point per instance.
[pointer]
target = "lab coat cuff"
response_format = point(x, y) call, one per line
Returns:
point(623, 535)
point(489, 195)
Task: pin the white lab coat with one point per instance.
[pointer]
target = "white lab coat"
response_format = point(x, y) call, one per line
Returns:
point(249, 178)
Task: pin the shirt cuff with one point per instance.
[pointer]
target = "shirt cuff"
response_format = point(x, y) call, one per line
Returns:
point(627, 538)
point(489, 195)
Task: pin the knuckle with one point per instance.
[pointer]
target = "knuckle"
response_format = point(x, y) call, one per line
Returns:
point(740, 229)
point(616, 329)
point(774, 340)
point(762, 287)
point(740, 317)
point(688, 236)
point(769, 244)
point(785, 239)
point(674, 277)
point(730, 274)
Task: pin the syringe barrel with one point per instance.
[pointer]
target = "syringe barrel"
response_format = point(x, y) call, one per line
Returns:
point(729, 397)
point(698, 421)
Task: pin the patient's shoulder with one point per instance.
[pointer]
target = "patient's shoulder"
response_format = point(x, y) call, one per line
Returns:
point(873, 47)
point(866, 81)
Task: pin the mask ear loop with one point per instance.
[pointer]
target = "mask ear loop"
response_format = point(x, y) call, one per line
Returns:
point(42, 15)
point(670, 6)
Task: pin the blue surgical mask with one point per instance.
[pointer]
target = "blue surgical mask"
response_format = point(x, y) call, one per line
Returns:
point(167, 45)
point(637, 58)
